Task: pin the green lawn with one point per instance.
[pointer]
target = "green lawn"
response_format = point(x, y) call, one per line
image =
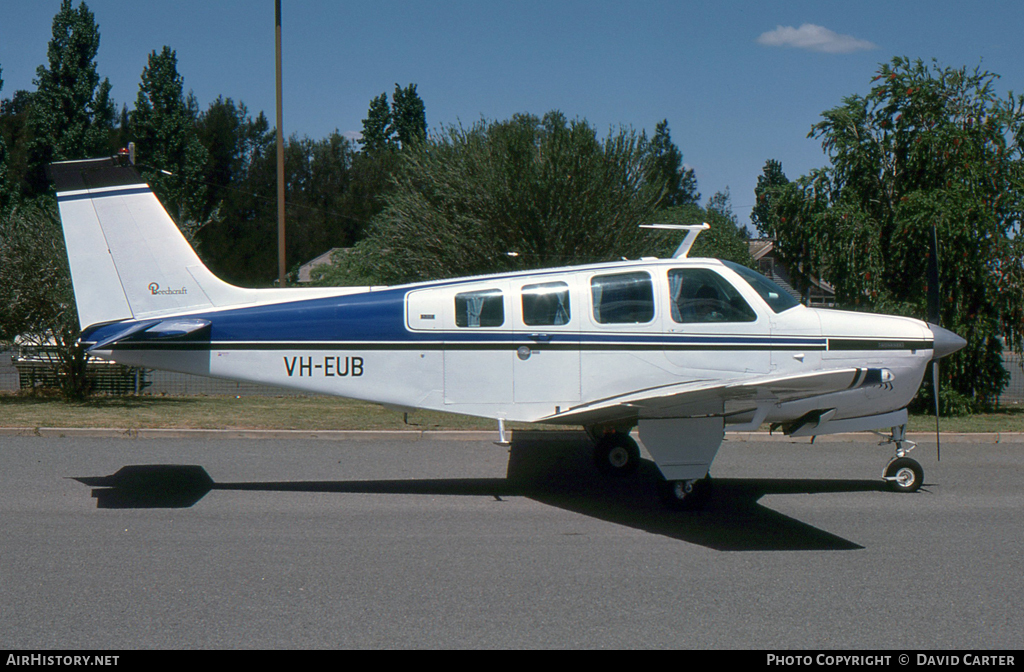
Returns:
point(316, 413)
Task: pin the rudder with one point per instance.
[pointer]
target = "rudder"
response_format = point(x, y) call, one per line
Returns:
point(127, 257)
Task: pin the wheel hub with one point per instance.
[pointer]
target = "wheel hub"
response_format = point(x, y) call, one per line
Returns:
point(618, 457)
point(905, 477)
point(682, 489)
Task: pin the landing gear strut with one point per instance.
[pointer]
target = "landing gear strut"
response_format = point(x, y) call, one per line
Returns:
point(902, 474)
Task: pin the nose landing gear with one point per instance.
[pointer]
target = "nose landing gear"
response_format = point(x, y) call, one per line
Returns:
point(902, 474)
point(686, 495)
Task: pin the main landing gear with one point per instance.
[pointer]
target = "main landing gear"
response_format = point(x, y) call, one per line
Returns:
point(616, 454)
point(902, 474)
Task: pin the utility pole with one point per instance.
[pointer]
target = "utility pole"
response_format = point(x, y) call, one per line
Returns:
point(280, 150)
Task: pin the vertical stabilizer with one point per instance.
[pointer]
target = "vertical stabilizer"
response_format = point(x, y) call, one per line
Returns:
point(128, 259)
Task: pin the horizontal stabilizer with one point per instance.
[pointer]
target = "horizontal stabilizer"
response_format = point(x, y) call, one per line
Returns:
point(154, 330)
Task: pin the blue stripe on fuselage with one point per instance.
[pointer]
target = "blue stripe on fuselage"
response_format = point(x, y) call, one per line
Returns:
point(378, 317)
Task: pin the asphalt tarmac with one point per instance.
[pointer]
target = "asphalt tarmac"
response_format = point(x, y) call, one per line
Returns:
point(452, 542)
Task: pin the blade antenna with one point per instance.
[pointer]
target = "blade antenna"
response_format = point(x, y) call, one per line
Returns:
point(692, 231)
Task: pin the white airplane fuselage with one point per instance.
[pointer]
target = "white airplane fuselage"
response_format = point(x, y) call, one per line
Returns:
point(403, 346)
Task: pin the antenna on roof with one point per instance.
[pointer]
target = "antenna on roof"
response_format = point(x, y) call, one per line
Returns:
point(693, 230)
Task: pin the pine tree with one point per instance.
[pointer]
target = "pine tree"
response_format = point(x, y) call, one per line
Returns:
point(408, 116)
point(375, 127)
point(399, 126)
point(763, 213)
point(72, 112)
point(163, 125)
point(667, 167)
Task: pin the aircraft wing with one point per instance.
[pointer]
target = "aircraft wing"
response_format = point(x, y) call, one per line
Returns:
point(703, 397)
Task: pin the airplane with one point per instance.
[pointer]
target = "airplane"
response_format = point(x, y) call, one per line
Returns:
point(681, 349)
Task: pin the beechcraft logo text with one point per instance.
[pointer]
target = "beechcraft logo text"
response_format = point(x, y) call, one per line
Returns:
point(154, 289)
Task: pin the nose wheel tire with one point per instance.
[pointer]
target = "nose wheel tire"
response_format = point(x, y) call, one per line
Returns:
point(904, 475)
point(686, 495)
point(617, 455)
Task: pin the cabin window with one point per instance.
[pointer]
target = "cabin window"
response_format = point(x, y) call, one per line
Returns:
point(485, 308)
point(546, 304)
point(777, 298)
point(623, 298)
point(701, 295)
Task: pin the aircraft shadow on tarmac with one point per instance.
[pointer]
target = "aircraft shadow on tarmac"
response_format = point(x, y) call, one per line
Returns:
point(554, 473)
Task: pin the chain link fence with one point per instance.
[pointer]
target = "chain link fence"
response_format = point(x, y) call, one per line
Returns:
point(18, 372)
point(163, 382)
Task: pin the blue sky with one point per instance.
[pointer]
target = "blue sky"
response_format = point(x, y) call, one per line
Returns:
point(739, 82)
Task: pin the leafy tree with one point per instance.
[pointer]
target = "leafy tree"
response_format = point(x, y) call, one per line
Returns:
point(927, 147)
point(376, 136)
point(72, 113)
point(163, 124)
point(318, 174)
point(5, 186)
point(667, 168)
point(547, 190)
point(14, 130)
point(233, 140)
point(36, 299)
point(721, 203)
point(69, 116)
point(408, 116)
point(772, 177)
point(399, 126)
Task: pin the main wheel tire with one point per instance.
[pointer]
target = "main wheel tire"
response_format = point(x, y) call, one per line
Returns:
point(686, 495)
point(904, 475)
point(617, 455)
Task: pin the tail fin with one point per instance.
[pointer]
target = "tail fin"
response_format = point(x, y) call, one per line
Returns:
point(128, 259)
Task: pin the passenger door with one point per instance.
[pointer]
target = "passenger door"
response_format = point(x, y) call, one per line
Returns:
point(546, 364)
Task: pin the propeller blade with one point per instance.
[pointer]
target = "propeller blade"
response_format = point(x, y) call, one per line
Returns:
point(935, 388)
point(933, 278)
point(933, 318)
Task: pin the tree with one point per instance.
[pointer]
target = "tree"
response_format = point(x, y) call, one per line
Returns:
point(763, 212)
point(524, 193)
point(399, 126)
point(318, 174)
point(375, 138)
point(721, 203)
point(667, 168)
point(164, 127)
point(14, 129)
point(36, 299)
point(72, 113)
point(318, 177)
point(408, 116)
point(927, 147)
point(6, 189)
